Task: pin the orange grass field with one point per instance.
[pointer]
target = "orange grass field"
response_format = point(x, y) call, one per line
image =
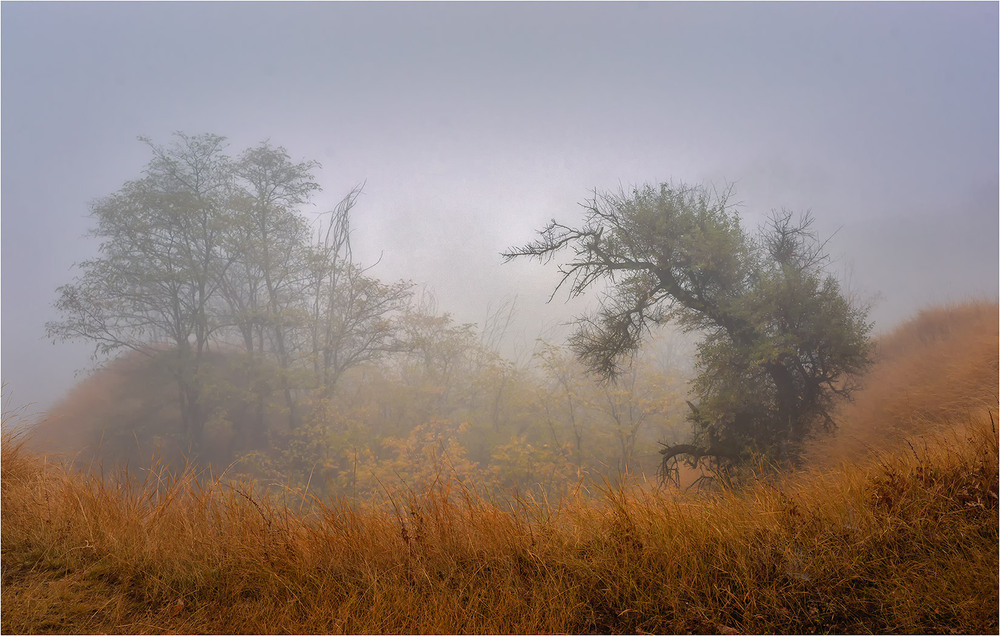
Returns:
point(892, 527)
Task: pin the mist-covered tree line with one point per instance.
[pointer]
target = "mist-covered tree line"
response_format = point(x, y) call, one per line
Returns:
point(275, 346)
point(206, 250)
point(288, 355)
point(453, 407)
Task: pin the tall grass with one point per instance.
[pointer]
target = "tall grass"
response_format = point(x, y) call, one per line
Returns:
point(905, 544)
point(904, 539)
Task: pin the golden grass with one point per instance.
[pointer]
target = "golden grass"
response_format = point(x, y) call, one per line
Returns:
point(930, 371)
point(908, 543)
point(902, 540)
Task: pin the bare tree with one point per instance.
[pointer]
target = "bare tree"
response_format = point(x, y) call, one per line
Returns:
point(351, 312)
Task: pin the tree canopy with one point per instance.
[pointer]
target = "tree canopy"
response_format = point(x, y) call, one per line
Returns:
point(207, 250)
point(780, 340)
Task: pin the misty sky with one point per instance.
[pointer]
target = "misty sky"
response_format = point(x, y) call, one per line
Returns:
point(474, 124)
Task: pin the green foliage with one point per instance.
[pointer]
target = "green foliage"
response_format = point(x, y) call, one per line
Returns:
point(798, 345)
point(780, 341)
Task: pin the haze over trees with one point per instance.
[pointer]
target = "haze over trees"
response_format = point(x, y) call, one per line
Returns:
point(286, 354)
point(254, 338)
point(780, 341)
point(206, 250)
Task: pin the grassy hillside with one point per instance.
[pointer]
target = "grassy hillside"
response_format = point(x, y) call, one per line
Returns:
point(899, 536)
point(934, 370)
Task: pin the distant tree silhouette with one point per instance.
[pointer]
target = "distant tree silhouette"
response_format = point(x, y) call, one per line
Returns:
point(204, 249)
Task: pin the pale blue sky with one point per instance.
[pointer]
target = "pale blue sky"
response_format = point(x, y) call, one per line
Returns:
point(473, 124)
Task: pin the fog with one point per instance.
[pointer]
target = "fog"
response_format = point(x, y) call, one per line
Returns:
point(472, 125)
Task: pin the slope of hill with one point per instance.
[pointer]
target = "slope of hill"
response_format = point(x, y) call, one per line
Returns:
point(939, 367)
point(902, 539)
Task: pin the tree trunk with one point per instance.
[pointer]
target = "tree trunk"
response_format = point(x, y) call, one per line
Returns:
point(192, 418)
